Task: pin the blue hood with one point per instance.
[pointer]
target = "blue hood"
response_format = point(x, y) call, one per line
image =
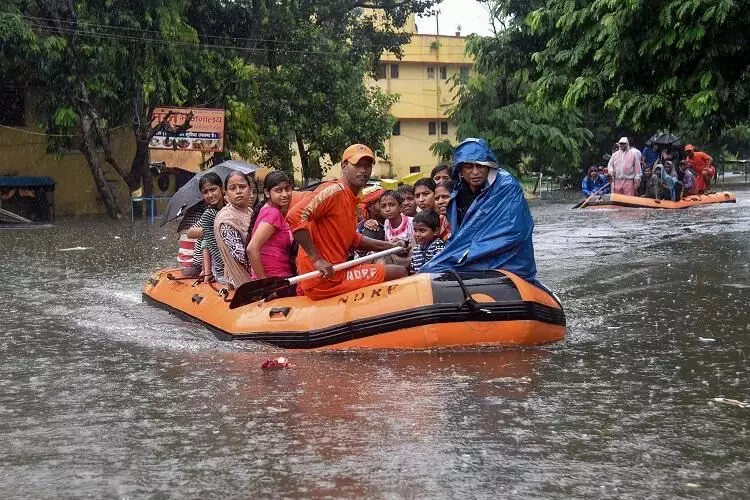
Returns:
point(496, 230)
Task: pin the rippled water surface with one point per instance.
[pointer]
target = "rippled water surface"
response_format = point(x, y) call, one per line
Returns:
point(103, 396)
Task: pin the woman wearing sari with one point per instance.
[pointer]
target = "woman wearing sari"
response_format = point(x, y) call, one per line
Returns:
point(232, 227)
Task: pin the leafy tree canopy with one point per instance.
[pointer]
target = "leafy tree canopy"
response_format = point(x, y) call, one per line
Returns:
point(655, 63)
point(493, 105)
point(288, 71)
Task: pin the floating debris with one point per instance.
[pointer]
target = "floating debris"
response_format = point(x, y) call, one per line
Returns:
point(276, 363)
point(733, 402)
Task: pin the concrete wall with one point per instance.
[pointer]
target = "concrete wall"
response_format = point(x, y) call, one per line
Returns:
point(23, 152)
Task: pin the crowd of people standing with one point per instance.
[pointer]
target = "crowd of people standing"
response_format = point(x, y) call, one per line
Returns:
point(659, 172)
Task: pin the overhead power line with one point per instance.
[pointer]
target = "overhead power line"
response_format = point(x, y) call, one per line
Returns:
point(75, 28)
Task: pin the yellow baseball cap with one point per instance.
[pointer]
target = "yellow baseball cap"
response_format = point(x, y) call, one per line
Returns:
point(356, 152)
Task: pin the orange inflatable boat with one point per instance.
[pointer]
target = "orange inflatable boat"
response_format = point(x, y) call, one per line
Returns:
point(450, 310)
point(622, 200)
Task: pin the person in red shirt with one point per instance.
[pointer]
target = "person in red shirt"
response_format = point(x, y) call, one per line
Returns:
point(704, 168)
point(325, 226)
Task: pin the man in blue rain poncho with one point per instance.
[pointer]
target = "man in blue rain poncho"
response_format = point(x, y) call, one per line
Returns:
point(490, 220)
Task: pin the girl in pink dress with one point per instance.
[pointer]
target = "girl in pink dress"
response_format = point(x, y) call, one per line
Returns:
point(271, 241)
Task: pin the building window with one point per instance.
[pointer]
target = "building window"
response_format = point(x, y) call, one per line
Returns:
point(431, 128)
point(414, 169)
point(13, 110)
point(394, 71)
point(463, 73)
point(430, 73)
point(396, 129)
point(443, 128)
point(443, 72)
point(380, 72)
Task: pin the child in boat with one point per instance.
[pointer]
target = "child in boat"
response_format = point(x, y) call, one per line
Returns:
point(207, 256)
point(232, 226)
point(186, 246)
point(372, 221)
point(426, 228)
point(424, 194)
point(397, 225)
point(408, 204)
point(271, 241)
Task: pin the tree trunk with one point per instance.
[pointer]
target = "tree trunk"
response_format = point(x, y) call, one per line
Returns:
point(140, 171)
point(311, 170)
point(88, 148)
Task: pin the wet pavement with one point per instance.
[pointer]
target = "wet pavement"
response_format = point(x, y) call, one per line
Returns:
point(103, 396)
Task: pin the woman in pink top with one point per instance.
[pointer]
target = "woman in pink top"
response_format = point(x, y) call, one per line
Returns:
point(271, 241)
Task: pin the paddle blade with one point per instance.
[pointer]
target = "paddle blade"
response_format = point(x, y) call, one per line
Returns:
point(256, 290)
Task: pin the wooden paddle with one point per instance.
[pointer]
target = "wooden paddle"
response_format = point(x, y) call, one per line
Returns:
point(582, 204)
point(253, 291)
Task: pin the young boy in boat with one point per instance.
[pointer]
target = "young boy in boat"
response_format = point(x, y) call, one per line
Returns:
point(325, 226)
point(426, 229)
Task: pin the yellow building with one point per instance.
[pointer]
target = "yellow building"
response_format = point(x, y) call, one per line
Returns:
point(25, 151)
point(423, 79)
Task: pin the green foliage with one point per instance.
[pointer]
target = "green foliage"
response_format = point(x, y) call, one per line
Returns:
point(289, 71)
point(442, 149)
point(309, 61)
point(493, 105)
point(654, 63)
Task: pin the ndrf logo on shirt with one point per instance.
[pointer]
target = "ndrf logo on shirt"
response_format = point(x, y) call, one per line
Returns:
point(363, 273)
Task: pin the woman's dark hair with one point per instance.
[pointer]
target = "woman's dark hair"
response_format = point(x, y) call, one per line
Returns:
point(250, 179)
point(393, 194)
point(426, 182)
point(447, 185)
point(273, 179)
point(428, 218)
point(405, 189)
point(209, 178)
point(439, 168)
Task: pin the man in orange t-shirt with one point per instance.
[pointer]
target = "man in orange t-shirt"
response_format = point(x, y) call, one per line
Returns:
point(325, 226)
point(704, 168)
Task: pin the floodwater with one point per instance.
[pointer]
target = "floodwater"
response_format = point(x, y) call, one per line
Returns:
point(102, 396)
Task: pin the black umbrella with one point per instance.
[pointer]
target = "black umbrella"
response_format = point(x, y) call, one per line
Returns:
point(665, 139)
point(189, 194)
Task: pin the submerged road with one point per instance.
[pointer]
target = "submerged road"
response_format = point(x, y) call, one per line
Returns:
point(103, 396)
